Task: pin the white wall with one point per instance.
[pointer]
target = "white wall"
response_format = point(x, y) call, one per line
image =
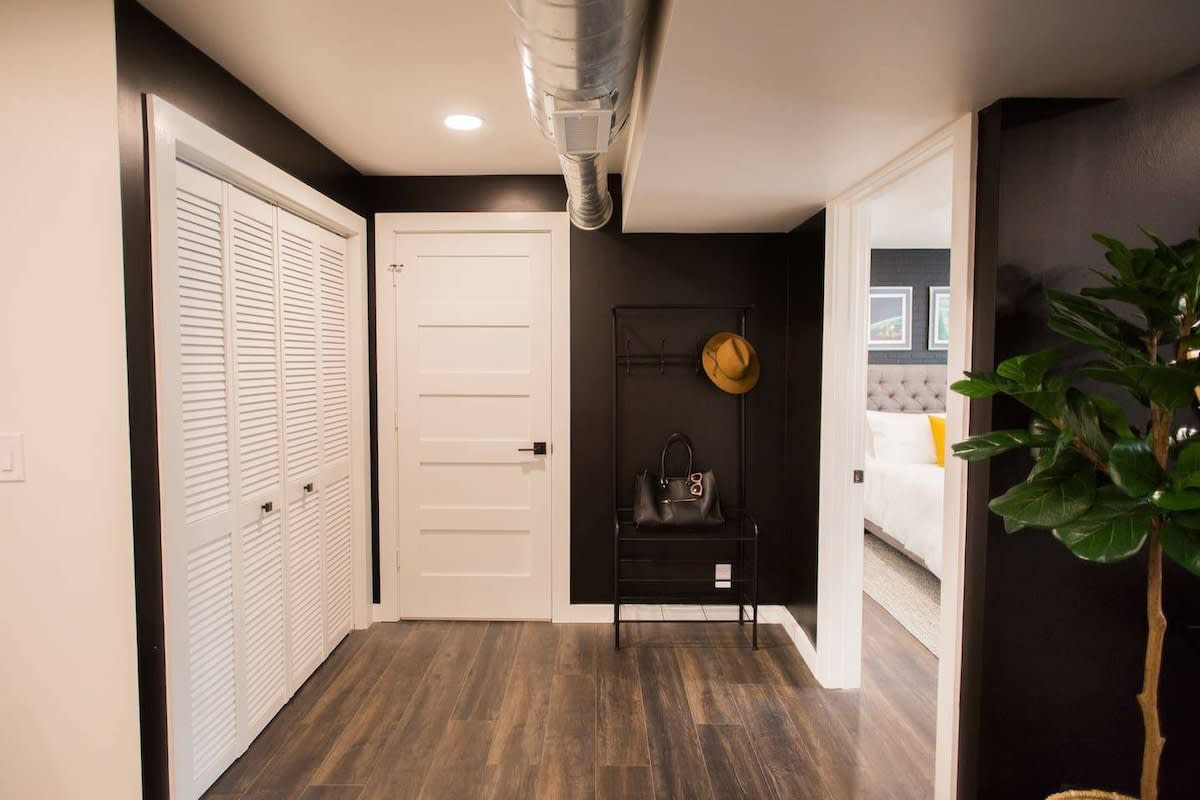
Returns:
point(68, 681)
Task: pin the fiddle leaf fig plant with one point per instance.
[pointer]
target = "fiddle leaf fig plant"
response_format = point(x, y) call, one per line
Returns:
point(1105, 485)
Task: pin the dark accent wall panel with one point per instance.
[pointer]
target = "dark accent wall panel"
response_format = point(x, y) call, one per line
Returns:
point(1060, 641)
point(802, 419)
point(153, 59)
point(609, 267)
point(918, 269)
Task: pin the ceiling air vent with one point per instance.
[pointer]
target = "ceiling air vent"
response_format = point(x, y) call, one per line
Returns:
point(581, 132)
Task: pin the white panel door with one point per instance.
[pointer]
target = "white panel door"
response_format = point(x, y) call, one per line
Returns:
point(302, 446)
point(336, 503)
point(198, 495)
point(257, 384)
point(473, 394)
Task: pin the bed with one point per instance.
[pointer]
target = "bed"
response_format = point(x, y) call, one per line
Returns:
point(903, 499)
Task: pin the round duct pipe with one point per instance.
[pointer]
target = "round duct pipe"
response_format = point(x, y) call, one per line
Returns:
point(579, 59)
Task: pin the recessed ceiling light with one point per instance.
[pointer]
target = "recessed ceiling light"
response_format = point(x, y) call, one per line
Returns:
point(463, 122)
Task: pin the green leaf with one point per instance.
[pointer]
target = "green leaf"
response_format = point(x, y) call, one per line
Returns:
point(1030, 370)
point(1182, 545)
point(1171, 387)
point(1083, 418)
point(1051, 405)
point(1134, 469)
point(982, 384)
point(1048, 500)
point(1112, 416)
point(1188, 519)
point(1113, 529)
point(1092, 323)
point(1177, 499)
point(986, 445)
point(1012, 526)
point(1188, 460)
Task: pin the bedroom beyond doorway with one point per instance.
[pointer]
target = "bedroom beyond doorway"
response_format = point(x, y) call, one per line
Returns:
point(908, 336)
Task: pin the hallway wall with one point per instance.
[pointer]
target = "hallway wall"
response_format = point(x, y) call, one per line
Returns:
point(1061, 640)
point(609, 267)
point(153, 59)
point(68, 680)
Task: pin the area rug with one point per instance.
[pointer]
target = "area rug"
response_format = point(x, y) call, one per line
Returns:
point(907, 591)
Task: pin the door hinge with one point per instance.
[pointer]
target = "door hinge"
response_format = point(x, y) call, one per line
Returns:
point(858, 476)
point(396, 419)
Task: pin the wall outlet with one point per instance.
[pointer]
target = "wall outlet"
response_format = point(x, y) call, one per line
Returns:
point(724, 575)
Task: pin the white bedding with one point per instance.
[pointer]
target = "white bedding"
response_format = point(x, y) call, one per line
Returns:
point(905, 500)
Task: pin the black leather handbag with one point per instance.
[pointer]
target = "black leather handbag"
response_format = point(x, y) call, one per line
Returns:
point(691, 501)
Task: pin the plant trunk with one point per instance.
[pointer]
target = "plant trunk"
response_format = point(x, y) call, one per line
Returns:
point(1148, 699)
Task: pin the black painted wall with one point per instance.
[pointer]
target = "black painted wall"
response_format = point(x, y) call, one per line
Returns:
point(609, 267)
point(153, 59)
point(802, 419)
point(919, 269)
point(1055, 661)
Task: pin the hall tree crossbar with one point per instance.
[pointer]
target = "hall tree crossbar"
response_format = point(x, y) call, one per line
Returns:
point(740, 529)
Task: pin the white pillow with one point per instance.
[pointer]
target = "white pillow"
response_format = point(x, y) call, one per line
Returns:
point(901, 438)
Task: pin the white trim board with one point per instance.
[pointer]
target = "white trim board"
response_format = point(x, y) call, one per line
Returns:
point(175, 136)
point(557, 224)
point(837, 660)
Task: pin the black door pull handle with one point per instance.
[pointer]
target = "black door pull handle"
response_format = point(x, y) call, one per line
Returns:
point(268, 507)
point(538, 449)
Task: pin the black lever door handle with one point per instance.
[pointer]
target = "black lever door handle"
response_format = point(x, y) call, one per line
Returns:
point(538, 449)
point(268, 507)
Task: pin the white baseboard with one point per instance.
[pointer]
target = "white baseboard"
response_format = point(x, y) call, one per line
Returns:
point(796, 633)
point(377, 614)
point(585, 612)
point(602, 612)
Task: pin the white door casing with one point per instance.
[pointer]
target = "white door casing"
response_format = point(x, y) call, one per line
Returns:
point(473, 355)
point(473, 394)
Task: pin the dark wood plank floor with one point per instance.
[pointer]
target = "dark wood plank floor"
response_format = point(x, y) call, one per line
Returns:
point(534, 710)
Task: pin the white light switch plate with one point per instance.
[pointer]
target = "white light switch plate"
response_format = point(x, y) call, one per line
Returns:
point(12, 457)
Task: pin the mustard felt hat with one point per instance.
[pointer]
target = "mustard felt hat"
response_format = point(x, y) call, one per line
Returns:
point(730, 362)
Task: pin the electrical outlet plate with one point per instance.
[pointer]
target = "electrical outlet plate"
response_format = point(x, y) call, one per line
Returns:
point(724, 572)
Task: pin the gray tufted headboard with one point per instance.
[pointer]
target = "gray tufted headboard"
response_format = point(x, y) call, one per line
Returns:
point(912, 388)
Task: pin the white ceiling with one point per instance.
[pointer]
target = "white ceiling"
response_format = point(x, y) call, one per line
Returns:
point(373, 79)
point(758, 112)
point(762, 111)
point(915, 210)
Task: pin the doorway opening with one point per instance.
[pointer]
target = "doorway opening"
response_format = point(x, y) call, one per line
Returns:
point(873, 561)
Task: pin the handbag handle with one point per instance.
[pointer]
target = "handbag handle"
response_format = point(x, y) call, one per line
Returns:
point(672, 439)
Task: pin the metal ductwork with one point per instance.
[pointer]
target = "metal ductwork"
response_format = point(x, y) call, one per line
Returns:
point(580, 60)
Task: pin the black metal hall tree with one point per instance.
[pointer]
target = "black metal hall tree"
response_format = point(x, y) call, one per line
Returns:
point(661, 567)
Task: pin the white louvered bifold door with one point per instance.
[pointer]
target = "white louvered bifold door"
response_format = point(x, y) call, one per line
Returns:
point(298, 266)
point(254, 448)
point(335, 435)
point(199, 533)
point(257, 381)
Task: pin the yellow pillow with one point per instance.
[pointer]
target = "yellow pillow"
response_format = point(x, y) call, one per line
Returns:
point(937, 425)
